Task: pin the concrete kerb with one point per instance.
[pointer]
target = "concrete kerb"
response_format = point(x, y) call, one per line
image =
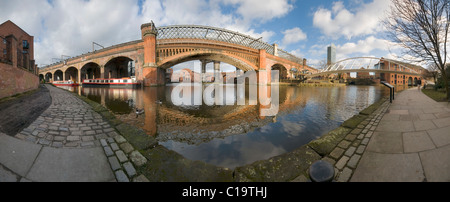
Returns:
point(273, 169)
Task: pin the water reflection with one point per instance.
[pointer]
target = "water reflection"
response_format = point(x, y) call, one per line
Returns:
point(192, 123)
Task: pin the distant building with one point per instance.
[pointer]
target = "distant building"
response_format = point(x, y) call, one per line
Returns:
point(331, 54)
point(18, 72)
point(398, 78)
point(184, 75)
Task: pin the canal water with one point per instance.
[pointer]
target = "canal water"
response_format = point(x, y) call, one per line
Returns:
point(230, 134)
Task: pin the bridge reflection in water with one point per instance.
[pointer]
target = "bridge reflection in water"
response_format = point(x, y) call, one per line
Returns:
point(234, 135)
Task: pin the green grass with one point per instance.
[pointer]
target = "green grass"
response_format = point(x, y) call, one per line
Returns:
point(438, 96)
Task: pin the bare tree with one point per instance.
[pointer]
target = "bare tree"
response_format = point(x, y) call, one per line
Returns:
point(322, 64)
point(432, 71)
point(421, 27)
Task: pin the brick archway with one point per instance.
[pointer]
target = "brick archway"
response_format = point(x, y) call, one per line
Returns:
point(90, 70)
point(71, 73)
point(208, 55)
point(118, 67)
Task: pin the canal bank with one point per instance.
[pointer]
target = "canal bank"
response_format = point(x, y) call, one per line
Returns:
point(166, 165)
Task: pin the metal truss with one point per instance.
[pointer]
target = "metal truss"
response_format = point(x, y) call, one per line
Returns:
point(363, 64)
point(219, 34)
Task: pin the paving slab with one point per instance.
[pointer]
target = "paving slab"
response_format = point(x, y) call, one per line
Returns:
point(395, 126)
point(432, 110)
point(423, 125)
point(443, 114)
point(377, 167)
point(71, 165)
point(398, 111)
point(417, 142)
point(17, 155)
point(391, 117)
point(386, 142)
point(6, 175)
point(440, 136)
point(436, 164)
point(442, 122)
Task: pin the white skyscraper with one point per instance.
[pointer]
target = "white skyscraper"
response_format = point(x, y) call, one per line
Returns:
point(331, 54)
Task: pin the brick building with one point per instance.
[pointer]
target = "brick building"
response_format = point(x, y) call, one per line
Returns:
point(399, 79)
point(18, 72)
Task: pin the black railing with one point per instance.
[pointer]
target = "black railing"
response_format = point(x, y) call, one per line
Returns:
point(391, 90)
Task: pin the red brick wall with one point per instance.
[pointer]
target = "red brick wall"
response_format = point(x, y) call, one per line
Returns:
point(16, 80)
point(9, 28)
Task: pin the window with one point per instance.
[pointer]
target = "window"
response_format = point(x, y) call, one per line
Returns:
point(4, 41)
point(5, 52)
point(25, 44)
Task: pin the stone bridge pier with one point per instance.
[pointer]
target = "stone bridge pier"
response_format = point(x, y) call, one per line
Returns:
point(152, 74)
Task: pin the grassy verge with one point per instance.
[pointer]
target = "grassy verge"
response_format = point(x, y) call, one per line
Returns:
point(438, 96)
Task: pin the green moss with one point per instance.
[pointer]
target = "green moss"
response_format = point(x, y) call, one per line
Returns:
point(354, 121)
point(282, 168)
point(370, 109)
point(325, 144)
point(136, 136)
point(166, 165)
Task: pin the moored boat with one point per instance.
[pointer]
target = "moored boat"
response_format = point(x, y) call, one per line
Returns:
point(65, 83)
point(127, 82)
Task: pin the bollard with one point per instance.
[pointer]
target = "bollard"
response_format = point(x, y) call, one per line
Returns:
point(321, 171)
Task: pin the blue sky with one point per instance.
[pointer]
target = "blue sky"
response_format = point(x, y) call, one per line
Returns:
point(303, 27)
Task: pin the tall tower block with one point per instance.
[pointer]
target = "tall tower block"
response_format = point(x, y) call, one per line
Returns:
point(331, 54)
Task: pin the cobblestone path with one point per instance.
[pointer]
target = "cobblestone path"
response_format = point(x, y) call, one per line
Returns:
point(68, 142)
point(68, 122)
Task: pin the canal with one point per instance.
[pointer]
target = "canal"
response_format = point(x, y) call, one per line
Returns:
point(231, 134)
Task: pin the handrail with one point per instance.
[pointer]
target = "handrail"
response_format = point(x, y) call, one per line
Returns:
point(391, 90)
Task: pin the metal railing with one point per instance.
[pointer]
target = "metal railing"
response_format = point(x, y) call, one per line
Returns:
point(391, 90)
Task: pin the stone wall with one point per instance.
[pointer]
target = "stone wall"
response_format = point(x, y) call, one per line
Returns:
point(16, 80)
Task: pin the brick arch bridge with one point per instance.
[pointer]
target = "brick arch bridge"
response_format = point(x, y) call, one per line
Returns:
point(163, 47)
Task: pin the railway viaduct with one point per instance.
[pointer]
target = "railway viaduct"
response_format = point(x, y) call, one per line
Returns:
point(163, 47)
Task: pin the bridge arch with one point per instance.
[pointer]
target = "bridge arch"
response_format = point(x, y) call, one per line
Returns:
point(90, 70)
point(71, 73)
point(118, 67)
point(282, 70)
point(236, 61)
point(58, 75)
point(48, 77)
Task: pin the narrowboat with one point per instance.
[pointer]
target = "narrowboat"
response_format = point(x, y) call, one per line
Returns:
point(64, 83)
point(128, 82)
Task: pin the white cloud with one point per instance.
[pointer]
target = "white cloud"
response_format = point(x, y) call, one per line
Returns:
point(293, 35)
point(297, 52)
point(364, 47)
point(72, 33)
point(261, 10)
point(25, 14)
point(339, 21)
point(406, 58)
